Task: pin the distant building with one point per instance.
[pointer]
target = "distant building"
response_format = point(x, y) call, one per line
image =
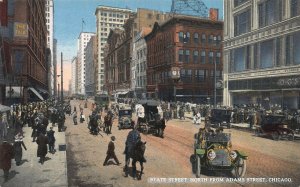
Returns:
point(191, 44)
point(50, 32)
point(83, 39)
point(90, 64)
point(107, 18)
point(261, 53)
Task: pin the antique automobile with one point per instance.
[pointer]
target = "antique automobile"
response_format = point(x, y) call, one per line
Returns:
point(150, 118)
point(220, 117)
point(125, 118)
point(102, 100)
point(274, 126)
point(213, 152)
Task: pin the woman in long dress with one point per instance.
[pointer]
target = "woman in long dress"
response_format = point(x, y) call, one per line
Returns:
point(18, 148)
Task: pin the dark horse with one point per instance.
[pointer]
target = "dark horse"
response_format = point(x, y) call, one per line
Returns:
point(137, 155)
point(108, 123)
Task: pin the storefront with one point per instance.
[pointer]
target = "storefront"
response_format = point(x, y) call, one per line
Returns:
point(268, 92)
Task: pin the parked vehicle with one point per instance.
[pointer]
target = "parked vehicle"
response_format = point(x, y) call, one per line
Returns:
point(213, 151)
point(274, 126)
point(125, 118)
point(220, 117)
point(151, 119)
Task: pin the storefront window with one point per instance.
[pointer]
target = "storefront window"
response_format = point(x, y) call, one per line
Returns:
point(296, 45)
point(267, 54)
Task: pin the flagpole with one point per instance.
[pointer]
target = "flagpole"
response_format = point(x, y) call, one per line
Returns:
point(81, 24)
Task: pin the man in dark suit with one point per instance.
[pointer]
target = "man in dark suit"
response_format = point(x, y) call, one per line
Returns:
point(111, 152)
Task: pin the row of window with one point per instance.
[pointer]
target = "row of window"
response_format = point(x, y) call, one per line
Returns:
point(269, 12)
point(267, 54)
point(186, 38)
point(141, 53)
point(186, 76)
point(114, 15)
point(184, 56)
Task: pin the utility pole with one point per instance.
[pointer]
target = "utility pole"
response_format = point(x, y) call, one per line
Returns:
point(62, 75)
point(215, 86)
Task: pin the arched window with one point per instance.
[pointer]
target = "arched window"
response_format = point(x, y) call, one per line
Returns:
point(203, 57)
point(196, 37)
point(187, 37)
point(195, 56)
point(203, 38)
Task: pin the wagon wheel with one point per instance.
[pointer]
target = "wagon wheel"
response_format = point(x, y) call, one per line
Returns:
point(198, 166)
point(291, 136)
point(275, 135)
point(160, 132)
point(240, 168)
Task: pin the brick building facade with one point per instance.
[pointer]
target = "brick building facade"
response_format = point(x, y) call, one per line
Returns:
point(26, 54)
point(191, 44)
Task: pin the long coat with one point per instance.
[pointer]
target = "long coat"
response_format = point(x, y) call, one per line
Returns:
point(18, 150)
point(42, 142)
point(6, 154)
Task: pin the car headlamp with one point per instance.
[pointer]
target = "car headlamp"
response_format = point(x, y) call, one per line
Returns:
point(233, 155)
point(211, 154)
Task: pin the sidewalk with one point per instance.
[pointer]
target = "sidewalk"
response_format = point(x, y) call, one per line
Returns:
point(31, 173)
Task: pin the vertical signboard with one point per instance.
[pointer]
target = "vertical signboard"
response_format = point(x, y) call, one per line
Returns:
point(20, 30)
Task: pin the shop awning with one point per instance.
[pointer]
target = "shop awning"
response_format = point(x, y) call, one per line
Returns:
point(4, 108)
point(43, 91)
point(36, 93)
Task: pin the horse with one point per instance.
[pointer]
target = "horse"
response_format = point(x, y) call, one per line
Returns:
point(137, 155)
point(108, 123)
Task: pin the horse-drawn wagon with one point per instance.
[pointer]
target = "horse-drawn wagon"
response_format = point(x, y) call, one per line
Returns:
point(150, 117)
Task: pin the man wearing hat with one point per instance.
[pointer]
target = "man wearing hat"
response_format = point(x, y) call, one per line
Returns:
point(6, 154)
point(111, 152)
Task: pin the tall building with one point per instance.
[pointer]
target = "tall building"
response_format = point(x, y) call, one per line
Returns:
point(91, 56)
point(107, 18)
point(139, 64)
point(50, 32)
point(191, 45)
point(261, 52)
point(83, 39)
point(74, 83)
point(25, 44)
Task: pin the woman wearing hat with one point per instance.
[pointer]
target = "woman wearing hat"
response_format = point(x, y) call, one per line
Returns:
point(18, 148)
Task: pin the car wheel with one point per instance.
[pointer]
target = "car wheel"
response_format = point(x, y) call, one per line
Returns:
point(240, 168)
point(275, 135)
point(290, 137)
point(198, 166)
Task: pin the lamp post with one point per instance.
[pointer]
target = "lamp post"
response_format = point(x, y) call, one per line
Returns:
point(58, 89)
point(176, 78)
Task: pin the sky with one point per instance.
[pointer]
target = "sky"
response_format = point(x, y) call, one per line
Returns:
point(68, 15)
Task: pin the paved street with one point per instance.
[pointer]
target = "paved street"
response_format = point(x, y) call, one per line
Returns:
point(31, 173)
point(170, 157)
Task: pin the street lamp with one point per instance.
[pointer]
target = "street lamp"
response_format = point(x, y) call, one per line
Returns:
point(176, 78)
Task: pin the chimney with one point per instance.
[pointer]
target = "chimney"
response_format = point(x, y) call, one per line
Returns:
point(214, 14)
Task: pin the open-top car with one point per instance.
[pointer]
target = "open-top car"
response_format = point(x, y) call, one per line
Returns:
point(125, 118)
point(220, 117)
point(274, 126)
point(213, 151)
point(150, 117)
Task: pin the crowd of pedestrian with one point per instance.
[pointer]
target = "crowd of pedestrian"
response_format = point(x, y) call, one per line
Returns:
point(37, 116)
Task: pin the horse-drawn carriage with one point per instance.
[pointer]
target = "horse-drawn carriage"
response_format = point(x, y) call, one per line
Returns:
point(150, 117)
point(213, 151)
point(220, 117)
point(274, 126)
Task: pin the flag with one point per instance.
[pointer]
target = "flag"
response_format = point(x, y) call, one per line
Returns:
point(83, 22)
